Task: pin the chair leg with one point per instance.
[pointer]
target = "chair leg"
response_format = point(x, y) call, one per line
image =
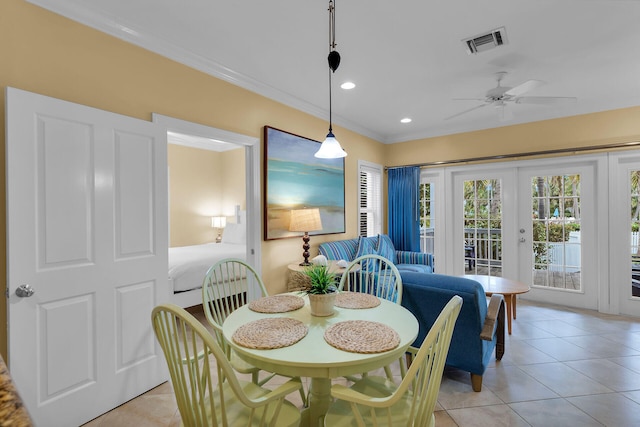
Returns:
point(305, 398)
point(476, 382)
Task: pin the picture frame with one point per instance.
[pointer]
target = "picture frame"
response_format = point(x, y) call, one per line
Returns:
point(295, 179)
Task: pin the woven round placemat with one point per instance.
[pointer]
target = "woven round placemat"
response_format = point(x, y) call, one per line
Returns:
point(275, 332)
point(276, 304)
point(356, 300)
point(362, 336)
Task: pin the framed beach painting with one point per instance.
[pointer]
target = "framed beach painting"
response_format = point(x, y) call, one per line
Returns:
point(295, 179)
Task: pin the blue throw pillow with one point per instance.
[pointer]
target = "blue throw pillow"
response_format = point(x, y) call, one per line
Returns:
point(365, 247)
point(386, 248)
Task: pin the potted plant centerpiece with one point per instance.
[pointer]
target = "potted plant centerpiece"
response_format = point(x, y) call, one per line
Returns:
point(322, 291)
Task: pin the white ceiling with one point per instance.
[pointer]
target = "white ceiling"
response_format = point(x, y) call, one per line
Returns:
point(405, 56)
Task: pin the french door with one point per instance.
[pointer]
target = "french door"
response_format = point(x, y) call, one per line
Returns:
point(534, 221)
point(558, 242)
point(624, 194)
point(483, 231)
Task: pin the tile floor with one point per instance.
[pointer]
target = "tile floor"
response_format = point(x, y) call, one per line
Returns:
point(562, 367)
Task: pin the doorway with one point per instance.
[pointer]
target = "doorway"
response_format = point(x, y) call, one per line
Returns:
point(543, 222)
point(558, 238)
point(252, 173)
point(624, 194)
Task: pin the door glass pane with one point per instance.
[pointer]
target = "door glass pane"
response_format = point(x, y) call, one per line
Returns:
point(556, 231)
point(635, 225)
point(483, 227)
point(427, 217)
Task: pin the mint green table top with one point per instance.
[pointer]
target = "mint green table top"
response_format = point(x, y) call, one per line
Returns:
point(313, 356)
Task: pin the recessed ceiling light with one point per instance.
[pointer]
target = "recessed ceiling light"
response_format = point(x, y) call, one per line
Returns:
point(348, 85)
point(405, 120)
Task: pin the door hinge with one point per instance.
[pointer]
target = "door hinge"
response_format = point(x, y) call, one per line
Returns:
point(6, 292)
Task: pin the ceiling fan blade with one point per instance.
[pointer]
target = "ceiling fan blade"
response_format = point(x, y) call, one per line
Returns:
point(466, 111)
point(467, 99)
point(524, 87)
point(545, 100)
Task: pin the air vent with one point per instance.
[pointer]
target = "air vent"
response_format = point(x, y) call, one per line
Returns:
point(486, 41)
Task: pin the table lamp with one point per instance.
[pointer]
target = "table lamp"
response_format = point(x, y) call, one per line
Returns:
point(305, 220)
point(218, 222)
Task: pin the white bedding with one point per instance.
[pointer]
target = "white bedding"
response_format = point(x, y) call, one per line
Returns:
point(189, 264)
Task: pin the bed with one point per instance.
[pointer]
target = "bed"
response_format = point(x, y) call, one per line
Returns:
point(189, 264)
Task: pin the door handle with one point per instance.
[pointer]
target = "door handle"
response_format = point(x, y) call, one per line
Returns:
point(25, 291)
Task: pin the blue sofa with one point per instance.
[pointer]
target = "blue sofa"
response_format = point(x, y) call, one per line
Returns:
point(350, 249)
point(479, 329)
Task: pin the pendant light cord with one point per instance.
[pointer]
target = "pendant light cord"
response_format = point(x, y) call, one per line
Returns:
point(330, 121)
point(332, 25)
point(332, 47)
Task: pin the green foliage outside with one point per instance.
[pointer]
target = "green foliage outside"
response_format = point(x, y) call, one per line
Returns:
point(556, 232)
point(425, 205)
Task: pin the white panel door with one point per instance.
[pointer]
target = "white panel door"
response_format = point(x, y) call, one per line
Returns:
point(87, 230)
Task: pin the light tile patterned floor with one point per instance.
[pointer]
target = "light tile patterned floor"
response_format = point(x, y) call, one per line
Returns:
point(562, 367)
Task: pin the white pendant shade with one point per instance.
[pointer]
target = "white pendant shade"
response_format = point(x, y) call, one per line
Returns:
point(330, 149)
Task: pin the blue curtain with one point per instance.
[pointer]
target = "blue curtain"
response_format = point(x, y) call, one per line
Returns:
point(404, 209)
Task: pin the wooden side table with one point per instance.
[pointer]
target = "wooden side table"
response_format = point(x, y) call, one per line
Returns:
point(506, 287)
point(298, 281)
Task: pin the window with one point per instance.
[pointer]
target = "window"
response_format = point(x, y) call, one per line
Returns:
point(427, 216)
point(369, 199)
point(556, 231)
point(483, 226)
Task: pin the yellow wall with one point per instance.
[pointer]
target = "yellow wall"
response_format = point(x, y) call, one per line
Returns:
point(203, 184)
point(233, 174)
point(47, 54)
point(609, 127)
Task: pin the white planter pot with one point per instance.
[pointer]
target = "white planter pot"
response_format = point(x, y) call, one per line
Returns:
point(322, 305)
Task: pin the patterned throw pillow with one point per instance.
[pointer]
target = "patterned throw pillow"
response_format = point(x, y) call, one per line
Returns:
point(366, 247)
point(340, 249)
point(386, 248)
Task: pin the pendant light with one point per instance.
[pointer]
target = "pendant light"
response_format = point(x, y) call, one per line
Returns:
point(330, 148)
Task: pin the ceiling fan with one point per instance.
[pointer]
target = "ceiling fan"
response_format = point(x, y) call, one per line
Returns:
point(500, 95)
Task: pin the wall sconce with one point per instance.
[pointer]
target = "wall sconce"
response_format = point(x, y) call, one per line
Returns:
point(305, 220)
point(219, 222)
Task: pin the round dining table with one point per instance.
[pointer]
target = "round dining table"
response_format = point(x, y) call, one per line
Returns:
point(314, 358)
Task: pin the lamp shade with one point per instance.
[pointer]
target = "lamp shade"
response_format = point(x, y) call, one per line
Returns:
point(330, 148)
point(305, 220)
point(218, 221)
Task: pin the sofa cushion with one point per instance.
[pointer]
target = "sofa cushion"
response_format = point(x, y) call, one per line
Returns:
point(414, 268)
point(386, 248)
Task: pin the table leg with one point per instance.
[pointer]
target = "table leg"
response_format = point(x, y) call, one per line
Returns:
point(319, 401)
point(508, 299)
point(515, 302)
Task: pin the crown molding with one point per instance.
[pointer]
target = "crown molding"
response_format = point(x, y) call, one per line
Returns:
point(119, 28)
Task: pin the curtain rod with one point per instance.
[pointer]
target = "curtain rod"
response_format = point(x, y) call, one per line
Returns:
point(526, 154)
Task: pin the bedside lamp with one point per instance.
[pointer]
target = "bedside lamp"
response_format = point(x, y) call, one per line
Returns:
point(305, 220)
point(218, 222)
